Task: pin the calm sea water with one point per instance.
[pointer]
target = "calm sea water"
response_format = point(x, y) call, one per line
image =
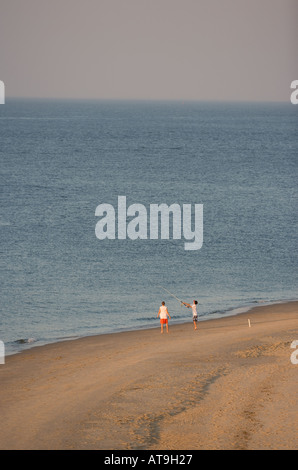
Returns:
point(61, 159)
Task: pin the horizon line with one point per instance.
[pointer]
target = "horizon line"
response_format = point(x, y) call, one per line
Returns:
point(187, 100)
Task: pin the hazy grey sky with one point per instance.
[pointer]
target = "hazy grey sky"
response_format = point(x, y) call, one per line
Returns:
point(149, 49)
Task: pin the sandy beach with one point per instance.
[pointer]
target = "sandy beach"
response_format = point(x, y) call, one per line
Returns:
point(224, 386)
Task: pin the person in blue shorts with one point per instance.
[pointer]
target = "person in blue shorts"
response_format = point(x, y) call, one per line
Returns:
point(194, 312)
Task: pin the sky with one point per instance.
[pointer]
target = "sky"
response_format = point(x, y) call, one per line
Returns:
point(149, 49)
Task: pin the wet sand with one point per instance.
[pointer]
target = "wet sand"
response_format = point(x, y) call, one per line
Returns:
point(224, 386)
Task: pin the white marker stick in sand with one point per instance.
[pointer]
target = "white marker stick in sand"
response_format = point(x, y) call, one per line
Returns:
point(249, 323)
point(2, 353)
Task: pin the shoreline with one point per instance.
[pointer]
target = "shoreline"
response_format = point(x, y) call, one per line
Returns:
point(241, 310)
point(224, 386)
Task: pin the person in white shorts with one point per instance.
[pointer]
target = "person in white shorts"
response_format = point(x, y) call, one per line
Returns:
point(163, 314)
point(194, 312)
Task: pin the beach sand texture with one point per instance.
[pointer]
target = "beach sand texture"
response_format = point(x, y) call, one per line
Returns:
point(224, 386)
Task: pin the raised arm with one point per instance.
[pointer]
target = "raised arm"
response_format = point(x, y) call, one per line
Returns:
point(186, 305)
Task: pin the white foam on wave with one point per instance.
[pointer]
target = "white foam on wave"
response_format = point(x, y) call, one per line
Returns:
point(31, 340)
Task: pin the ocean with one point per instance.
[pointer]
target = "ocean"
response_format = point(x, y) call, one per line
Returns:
point(61, 159)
